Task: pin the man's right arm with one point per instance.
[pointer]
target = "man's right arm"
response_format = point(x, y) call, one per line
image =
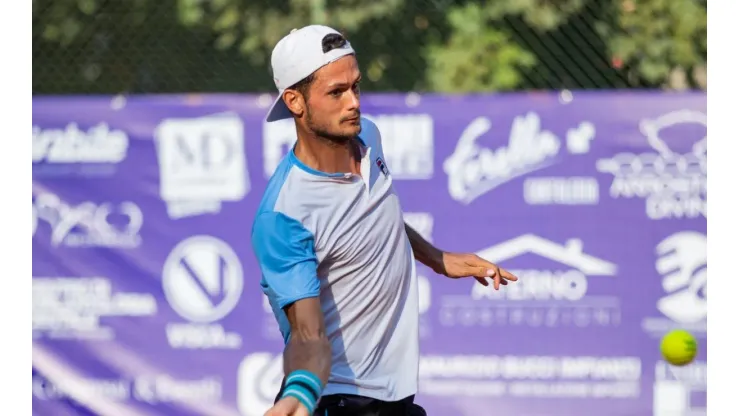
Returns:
point(308, 347)
point(285, 251)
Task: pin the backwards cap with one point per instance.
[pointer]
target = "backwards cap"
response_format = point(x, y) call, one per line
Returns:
point(298, 55)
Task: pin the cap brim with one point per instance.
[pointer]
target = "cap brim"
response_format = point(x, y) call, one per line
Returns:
point(279, 111)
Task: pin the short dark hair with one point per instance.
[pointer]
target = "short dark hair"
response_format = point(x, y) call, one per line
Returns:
point(328, 43)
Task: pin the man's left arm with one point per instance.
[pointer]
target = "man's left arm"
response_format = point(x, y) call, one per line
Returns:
point(457, 265)
point(425, 252)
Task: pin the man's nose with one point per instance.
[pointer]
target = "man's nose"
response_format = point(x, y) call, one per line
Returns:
point(353, 100)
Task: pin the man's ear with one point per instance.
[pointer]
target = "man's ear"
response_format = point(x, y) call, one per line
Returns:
point(295, 101)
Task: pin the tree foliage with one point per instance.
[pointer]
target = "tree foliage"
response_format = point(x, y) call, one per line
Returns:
point(455, 46)
point(663, 42)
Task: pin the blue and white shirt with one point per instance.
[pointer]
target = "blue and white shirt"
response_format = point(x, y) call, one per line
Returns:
point(342, 237)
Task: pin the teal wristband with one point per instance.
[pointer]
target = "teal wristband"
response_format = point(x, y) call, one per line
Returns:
point(303, 396)
point(304, 386)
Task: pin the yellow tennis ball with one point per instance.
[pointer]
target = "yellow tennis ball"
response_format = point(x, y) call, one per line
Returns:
point(678, 347)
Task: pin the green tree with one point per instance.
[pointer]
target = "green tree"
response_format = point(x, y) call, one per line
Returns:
point(660, 42)
point(552, 44)
point(454, 46)
point(476, 56)
point(253, 27)
point(513, 44)
point(133, 46)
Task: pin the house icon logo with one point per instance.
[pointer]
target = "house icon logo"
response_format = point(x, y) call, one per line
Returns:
point(553, 291)
point(545, 283)
point(570, 254)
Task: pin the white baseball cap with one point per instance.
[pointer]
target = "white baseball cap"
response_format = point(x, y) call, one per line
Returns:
point(298, 55)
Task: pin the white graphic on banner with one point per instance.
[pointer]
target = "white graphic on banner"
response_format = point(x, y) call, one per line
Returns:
point(201, 394)
point(201, 163)
point(407, 139)
point(425, 302)
point(570, 254)
point(579, 139)
point(682, 264)
point(258, 382)
point(89, 224)
point(542, 297)
point(202, 280)
point(422, 223)
point(529, 376)
point(474, 170)
point(678, 389)
point(278, 137)
point(99, 144)
point(425, 294)
point(166, 389)
point(672, 183)
point(109, 389)
point(408, 144)
point(575, 190)
point(34, 218)
point(260, 376)
point(72, 307)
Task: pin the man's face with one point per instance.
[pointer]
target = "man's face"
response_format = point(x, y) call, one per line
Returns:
point(333, 105)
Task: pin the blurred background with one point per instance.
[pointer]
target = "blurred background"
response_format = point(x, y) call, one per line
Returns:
point(442, 46)
point(562, 139)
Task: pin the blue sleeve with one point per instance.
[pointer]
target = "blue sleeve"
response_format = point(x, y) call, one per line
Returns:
point(285, 252)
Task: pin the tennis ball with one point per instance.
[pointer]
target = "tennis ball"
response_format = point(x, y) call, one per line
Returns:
point(678, 347)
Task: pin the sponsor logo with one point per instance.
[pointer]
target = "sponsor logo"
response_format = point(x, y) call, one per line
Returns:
point(408, 144)
point(258, 382)
point(166, 389)
point(75, 388)
point(575, 190)
point(474, 170)
point(381, 166)
point(73, 307)
point(201, 163)
point(529, 376)
point(72, 150)
point(261, 373)
point(407, 140)
point(672, 180)
point(682, 264)
point(680, 390)
point(550, 296)
point(422, 223)
point(89, 224)
point(203, 281)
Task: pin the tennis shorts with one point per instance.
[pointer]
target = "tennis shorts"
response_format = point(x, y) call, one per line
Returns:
point(351, 405)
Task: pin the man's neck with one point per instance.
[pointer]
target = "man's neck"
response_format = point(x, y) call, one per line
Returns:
point(325, 155)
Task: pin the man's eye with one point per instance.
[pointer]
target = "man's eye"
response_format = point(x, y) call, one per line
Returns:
point(336, 93)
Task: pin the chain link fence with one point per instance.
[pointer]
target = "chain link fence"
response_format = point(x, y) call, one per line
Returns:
point(453, 46)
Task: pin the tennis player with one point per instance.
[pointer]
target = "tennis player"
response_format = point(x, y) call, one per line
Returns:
point(336, 257)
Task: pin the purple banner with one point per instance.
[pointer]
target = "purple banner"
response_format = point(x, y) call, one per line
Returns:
point(146, 297)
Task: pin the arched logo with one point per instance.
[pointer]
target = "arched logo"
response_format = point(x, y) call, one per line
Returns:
point(202, 279)
point(259, 378)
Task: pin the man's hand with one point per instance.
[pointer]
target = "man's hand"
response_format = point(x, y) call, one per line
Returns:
point(288, 406)
point(457, 265)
